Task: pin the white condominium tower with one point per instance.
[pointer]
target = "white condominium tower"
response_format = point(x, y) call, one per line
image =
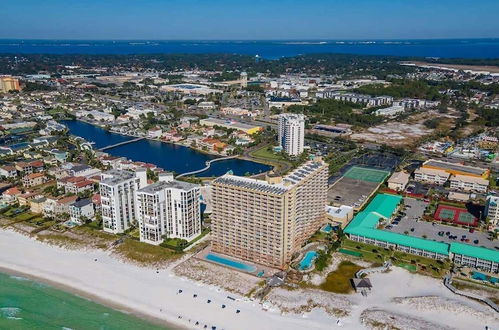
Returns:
point(492, 210)
point(267, 221)
point(292, 133)
point(117, 190)
point(168, 208)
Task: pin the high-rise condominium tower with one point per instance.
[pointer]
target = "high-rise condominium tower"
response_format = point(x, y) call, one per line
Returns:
point(292, 133)
point(169, 209)
point(117, 190)
point(267, 221)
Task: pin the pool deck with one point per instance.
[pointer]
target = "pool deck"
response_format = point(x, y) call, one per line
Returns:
point(268, 271)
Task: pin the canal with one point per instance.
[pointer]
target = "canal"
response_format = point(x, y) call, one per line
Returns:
point(169, 157)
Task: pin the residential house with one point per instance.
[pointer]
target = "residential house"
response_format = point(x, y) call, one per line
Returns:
point(33, 179)
point(81, 209)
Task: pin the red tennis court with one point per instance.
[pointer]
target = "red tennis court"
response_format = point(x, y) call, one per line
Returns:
point(456, 215)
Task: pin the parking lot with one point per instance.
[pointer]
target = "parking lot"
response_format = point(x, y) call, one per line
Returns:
point(412, 224)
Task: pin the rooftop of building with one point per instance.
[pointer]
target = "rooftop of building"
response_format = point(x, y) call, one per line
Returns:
point(114, 177)
point(161, 185)
point(471, 170)
point(82, 202)
point(272, 188)
point(471, 179)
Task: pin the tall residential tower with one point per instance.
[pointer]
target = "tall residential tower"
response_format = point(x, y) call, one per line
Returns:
point(117, 190)
point(168, 208)
point(267, 221)
point(292, 133)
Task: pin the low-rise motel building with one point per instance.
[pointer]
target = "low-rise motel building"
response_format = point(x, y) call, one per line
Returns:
point(363, 228)
point(461, 177)
point(268, 221)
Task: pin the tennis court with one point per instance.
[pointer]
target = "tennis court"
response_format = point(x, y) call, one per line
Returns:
point(366, 174)
point(455, 214)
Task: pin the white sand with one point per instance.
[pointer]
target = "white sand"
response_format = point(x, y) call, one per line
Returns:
point(146, 292)
point(141, 289)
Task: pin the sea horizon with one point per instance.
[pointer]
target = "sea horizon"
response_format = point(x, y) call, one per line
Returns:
point(478, 48)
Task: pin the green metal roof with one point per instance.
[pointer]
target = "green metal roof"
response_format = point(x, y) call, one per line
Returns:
point(474, 251)
point(383, 205)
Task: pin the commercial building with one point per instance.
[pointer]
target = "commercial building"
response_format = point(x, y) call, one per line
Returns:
point(367, 100)
point(398, 181)
point(430, 175)
point(117, 190)
point(390, 111)
point(168, 209)
point(363, 228)
point(8, 84)
point(468, 183)
point(492, 210)
point(453, 168)
point(267, 221)
point(340, 215)
point(292, 133)
point(230, 124)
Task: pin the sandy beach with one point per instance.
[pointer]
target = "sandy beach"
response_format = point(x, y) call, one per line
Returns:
point(397, 298)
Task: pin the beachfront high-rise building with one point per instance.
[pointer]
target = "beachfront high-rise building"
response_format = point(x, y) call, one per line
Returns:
point(492, 210)
point(8, 83)
point(268, 221)
point(292, 133)
point(168, 208)
point(118, 192)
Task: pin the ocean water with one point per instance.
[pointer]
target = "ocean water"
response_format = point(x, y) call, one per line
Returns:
point(272, 49)
point(27, 304)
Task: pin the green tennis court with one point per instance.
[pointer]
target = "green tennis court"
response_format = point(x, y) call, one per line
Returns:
point(467, 218)
point(350, 253)
point(366, 174)
point(447, 214)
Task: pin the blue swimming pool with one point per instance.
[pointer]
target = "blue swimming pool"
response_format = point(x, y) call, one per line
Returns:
point(230, 263)
point(482, 277)
point(306, 262)
point(327, 228)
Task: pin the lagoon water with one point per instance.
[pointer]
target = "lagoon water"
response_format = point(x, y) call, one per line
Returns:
point(27, 304)
point(170, 157)
point(270, 49)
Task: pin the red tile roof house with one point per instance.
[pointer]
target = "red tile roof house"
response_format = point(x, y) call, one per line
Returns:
point(31, 167)
point(33, 179)
point(11, 194)
point(62, 205)
point(62, 183)
point(8, 171)
point(97, 202)
point(78, 187)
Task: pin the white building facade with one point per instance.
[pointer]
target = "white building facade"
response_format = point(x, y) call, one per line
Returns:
point(168, 209)
point(292, 133)
point(118, 190)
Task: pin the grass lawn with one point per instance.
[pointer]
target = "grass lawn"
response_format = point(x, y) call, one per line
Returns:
point(145, 254)
point(25, 216)
point(408, 261)
point(62, 240)
point(339, 280)
point(265, 153)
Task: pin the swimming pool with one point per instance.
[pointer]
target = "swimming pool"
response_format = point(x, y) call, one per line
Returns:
point(306, 262)
point(230, 263)
point(327, 228)
point(483, 277)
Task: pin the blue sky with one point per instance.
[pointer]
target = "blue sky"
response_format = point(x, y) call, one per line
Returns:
point(250, 19)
